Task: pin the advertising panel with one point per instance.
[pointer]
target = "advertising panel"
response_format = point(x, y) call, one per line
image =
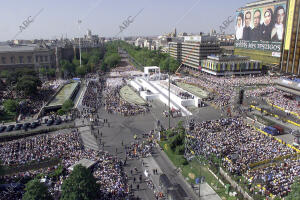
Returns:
point(261, 28)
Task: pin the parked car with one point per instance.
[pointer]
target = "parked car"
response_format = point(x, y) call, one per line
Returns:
point(271, 130)
point(50, 122)
point(279, 128)
point(10, 128)
point(18, 126)
point(2, 128)
point(57, 121)
point(26, 126)
point(34, 125)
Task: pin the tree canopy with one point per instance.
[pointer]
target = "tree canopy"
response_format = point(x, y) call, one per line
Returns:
point(28, 84)
point(10, 106)
point(36, 190)
point(81, 184)
point(146, 57)
point(295, 191)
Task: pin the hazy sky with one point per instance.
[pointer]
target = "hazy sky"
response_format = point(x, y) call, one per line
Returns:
point(104, 17)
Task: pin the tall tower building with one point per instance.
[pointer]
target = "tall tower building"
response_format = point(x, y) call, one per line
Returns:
point(290, 56)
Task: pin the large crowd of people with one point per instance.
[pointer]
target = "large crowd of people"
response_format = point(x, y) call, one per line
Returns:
point(42, 148)
point(277, 178)
point(276, 97)
point(238, 145)
point(93, 94)
point(108, 170)
point(114, 103)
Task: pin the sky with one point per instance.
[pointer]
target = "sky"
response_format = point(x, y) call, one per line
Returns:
point(59, 18)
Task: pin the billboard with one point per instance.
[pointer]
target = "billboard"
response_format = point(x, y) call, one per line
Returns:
point(261, 28)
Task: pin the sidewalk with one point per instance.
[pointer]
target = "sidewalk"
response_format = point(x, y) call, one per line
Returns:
point(175, 177)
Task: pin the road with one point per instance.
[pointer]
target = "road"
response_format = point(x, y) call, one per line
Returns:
point(122, 130)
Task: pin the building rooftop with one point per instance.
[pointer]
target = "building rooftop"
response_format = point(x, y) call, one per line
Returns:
point(261, 3)
point(22, 47)
point(17, 48)
point(227, 57)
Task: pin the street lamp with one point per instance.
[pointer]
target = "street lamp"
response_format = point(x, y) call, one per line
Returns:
point(79, 22)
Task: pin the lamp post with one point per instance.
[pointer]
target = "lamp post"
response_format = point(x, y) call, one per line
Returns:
point(169, 101)
point(79, 22)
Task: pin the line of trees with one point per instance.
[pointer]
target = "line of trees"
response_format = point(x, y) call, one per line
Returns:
point(25, 81)
point(148, 57)
point(111, 58)
point(80, 184)
point(90, 61)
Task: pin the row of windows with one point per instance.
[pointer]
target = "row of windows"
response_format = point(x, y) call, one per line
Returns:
point(21, 59)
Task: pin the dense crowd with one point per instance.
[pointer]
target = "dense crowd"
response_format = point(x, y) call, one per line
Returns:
point(111, 177)
point(92, 96)
point(29, 106)
point(43, 147)
point(276, 97)
point(238, 145)
point(139, 149)
point(115, 104)
point(278, 177)
point(233, 139)
point(127, 71)
point(108, 170)
point(224, 95)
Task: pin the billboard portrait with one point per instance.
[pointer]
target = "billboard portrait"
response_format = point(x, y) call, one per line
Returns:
point(261, 28)
point(278, 29)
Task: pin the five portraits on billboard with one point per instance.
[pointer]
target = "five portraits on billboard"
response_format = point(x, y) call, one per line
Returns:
point(261, 28)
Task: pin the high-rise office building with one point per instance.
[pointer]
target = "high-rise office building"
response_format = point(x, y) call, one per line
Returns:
point(194, 49)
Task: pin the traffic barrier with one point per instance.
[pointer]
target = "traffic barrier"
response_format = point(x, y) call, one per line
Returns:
point(279, 108)
point(289, 121)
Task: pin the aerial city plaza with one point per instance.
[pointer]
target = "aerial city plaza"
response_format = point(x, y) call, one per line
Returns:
point(133, 113)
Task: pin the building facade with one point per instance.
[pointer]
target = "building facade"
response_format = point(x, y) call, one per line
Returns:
point(230, 65)
point(290, 60)
point(33, 56)
point(194, 49)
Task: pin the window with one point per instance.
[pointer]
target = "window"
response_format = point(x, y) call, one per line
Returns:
point(41, 58)
point(46, 58)
point(12, 60)
point(21, 59)
point(36, 59)
point(3, 60)
point(29, 59)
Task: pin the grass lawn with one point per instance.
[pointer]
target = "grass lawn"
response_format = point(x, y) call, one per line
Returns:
point(129, 95)
point(193, 89)
point(193, 170)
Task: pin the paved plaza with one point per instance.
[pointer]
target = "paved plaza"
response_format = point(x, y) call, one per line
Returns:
point(119, 132)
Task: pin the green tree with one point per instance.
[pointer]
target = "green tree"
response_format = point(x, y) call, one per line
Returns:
point(81, 71)
point(112, 60)
point(51, 72)
point(10, 106)
point(81, 184)
point(76, 62)
point(28, 84)
point(67, 105)
point(295, 191)
point(35, 190)
point(67, 67)
point(93, 61)
point(5, 74)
